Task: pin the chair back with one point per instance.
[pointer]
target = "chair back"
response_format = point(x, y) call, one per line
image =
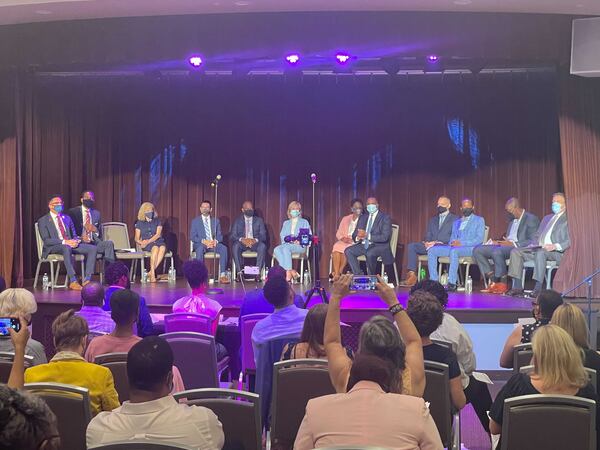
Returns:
point(295, 382)
point(394, 239)
point(590, 372)
point(139, 445)
point(38, 241)
point(117, 364)
point(522, 355)
point(446, 344)
point(195, 322)
point(196, 358)
point(71, 406)
point(6, 361)
point(561, 421)
point(437, 393)
point(486, 234)
point(247, 324)
point(238, 412)
point(118, 233)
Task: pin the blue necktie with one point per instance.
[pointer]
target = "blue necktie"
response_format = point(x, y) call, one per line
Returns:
point(369, 226)
point(207, 229)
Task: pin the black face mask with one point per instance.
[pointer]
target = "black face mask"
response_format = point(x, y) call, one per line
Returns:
point(248, 212)
point(150, 215)
point(88, 203)
point(441, 209)
point(467, 212)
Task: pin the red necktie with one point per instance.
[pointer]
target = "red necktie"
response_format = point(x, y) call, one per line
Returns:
point(88, 220)
point(61, 227)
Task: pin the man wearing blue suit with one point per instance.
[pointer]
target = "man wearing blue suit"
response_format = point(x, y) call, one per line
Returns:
point(372, 236)
point(59, 236)
point(87, 225)
point(438, 231)
point(206, 236)
point(467, 232)
point(248, 233)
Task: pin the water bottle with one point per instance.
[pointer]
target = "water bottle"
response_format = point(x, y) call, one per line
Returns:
point(306, 277)
point(45, 282)
point(144, 279)
point(422, 274)
point(444, 278)
point(229, 275)
point(385, 277)
point(469, 285)
point(171, 276)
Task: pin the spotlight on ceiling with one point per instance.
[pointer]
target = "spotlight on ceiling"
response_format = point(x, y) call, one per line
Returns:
point(342, 58)
point(195, 61)
point(433, 58)
point(292, 59)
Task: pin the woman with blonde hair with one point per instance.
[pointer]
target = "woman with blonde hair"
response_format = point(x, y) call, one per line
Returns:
point(148, 235)
point(557, 369)
point(571, 319)
point(290, 241)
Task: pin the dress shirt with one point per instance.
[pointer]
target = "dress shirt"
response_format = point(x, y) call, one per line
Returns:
point(451, 330)
point(442, 218)
point(371, 219)
point(99, 321)
point(547, 238)
point(352, 227)
point(248, 228)
point(463, 222)
point(55, 221)
point(255, 302)
point(162, 420)
point(513, 234)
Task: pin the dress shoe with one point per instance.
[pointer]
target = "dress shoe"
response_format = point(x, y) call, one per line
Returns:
point(411, 279)
point(86, 281)
point(516, 293)
point(533, 294)
point(451, 287)
point(75, 286)
point(224, 279)
point(498, 288)
point(489, 289)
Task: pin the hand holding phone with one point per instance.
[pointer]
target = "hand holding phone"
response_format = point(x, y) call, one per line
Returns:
point(8, 323)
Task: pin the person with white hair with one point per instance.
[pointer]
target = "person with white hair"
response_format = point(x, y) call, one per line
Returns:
point(17, 302)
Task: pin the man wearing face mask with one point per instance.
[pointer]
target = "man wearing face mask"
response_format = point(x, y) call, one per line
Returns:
point(372, 236)
point(206, 236)
point(59, 236)
point(87, 222)
point(438, 232)
point(548, 244)
point(467, 232)
point(248, 233)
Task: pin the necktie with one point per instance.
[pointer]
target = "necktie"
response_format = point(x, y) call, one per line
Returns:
point(88, 221)
point(369, 226)
point(61, 227)
point(247, 228)
point(547, 229)
point(207, 228)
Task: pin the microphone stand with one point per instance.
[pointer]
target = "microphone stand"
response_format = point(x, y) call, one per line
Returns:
point(317, 289)
point(592, 324)
point(215, 290)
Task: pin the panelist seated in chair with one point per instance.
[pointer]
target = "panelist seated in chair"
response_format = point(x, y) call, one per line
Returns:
point(522, 226)
point(207, 237)
point(87, 222)
point(467, 232)
point(549, 243)
point(290, 242)
point(344, 238)
point(148, 235)
point(59, 237)
point(372, 236)
point(248, 233)
point(439, 230)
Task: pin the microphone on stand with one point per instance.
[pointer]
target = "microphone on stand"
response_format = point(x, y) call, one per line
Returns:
point(215, 181)
point(313, 177)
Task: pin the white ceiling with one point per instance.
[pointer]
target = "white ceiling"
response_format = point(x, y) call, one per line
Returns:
point(23, 11)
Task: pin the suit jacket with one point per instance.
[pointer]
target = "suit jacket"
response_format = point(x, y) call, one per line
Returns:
point(527, 229)
point(198, 234)
point(472, 234)
point(437, 233)
point(286, 228)
point(77, 216)
point(238, 229)
point(560, 232)
point(49, 233)
point(381, 233)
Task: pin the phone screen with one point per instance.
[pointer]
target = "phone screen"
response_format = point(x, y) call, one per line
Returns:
point(9, 322)
point(364, 283)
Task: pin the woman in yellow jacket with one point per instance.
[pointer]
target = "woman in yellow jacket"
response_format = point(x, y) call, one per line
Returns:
point(69, 367)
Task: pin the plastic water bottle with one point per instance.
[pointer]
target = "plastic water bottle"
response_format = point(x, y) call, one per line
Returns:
point(45, 282)
point(385, 277)
point(144, 279)
point(172, 277)
point(422, 273)
point(306, 277)
point(444, 278)
point(229, 275)
point(469, 285)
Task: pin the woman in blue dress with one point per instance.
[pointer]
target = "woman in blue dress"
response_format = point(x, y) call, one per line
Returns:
point(148, 236)
point(290, 243)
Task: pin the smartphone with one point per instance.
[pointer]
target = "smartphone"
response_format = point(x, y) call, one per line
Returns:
point(363, 283)
point(9, 322)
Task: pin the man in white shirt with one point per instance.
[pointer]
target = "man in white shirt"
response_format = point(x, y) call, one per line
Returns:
point(152, 414)
point(548, 244)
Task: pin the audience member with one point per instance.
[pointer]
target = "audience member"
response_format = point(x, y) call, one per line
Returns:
point(16, 378)
point(378, 336)
point(311, 340)
point(18, 302)
point(2, 284)
point(427, 314)
point(543, 308)
point(117, 277)
point(286, 321)
point(371, 413)
point(557, 370)
point(92, 299)
point(152, 413)
point(68, 366)
point(26, 422)
point(451, 330)
point(571, 319)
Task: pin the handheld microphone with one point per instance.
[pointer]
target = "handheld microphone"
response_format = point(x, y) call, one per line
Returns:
point(313, 177)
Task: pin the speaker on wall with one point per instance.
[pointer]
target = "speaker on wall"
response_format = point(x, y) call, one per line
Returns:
point(585, 47)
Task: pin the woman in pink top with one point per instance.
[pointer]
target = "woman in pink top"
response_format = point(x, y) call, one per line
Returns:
point(344, 238)
point(369, 414)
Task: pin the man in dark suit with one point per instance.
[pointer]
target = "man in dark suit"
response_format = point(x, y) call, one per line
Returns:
point(522, 225)
point(59, 236)
point(372, 236)
point(549, 243)
point(438, 231)
point(248, 233)
point(87, 225)
point(206, 236)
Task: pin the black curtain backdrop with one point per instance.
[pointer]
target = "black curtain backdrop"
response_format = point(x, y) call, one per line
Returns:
point(405, 140)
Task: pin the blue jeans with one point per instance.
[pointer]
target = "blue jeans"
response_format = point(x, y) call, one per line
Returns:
point(445, 250)
point(283, 254)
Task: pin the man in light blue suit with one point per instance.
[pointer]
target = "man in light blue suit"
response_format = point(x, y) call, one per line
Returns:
point(206, 236)
point(467, 232)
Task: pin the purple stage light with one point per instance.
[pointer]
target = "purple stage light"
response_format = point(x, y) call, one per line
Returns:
point(195, 61)
point(433, 58)
point(293, 59)
point(342, 58)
